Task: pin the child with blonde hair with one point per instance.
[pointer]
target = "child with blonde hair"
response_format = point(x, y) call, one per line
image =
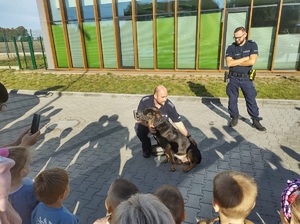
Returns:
point(234, 197)
point(21, 196)
point(290, 203)
point(52, 188)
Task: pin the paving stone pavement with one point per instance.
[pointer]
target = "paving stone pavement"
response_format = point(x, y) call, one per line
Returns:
point(92, 136)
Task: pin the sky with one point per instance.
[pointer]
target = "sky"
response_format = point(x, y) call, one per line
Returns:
point(14, 13)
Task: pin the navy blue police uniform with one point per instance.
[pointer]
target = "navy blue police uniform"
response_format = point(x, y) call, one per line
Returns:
point(239, 78)
point(168, 110)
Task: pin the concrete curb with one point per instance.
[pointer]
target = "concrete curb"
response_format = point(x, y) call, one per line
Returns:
point(262, 102)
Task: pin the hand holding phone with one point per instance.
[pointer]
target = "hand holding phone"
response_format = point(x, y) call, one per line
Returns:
point(35, 123)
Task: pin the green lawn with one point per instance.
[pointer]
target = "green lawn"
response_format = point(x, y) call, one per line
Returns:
point(272, 87)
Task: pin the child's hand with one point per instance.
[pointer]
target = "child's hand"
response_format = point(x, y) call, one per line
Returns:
point(30, 139)
point(19, 139)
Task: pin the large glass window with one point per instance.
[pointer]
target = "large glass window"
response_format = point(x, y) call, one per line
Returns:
point(212, 4)
point(287, 51)
point(91, 44)
point(87, 9)
point(107, 33)
point(144, 29)
point(238, 3)
point(165, 7)
point(75, 45)
point(187, 32)
point(210, 34)
point(262, 31)
point(54, 8)
point(108, 43)
point(70, 9)
point(210, 38)
point(144, 7)
point(165, 42)
point(124, 8)
point(59, 45)
point(126, 42)
point(124, 11)
point(105, 8)
point(165, 33)
point(265, 2)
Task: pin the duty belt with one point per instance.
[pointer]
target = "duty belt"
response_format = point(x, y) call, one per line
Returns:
point(239, 75)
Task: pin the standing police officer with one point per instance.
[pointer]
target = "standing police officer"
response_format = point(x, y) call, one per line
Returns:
point(240, 57)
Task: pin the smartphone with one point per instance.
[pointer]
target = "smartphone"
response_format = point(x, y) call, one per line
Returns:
point(35, 123)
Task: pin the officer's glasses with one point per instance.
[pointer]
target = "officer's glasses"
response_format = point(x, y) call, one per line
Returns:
point(235, 38)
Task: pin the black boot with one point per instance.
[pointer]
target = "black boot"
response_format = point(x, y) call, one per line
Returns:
point(146, 153)
point(256, 124)
point(234, 121)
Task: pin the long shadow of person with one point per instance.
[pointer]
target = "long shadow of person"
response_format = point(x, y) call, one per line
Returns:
point(212, 102)
point(44, 154)
point(230, 150)
point(93, 160)
point(291, 153)
point(199, 90)
point(12, 120)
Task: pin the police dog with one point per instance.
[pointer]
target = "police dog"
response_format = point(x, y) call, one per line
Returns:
point(178, 148)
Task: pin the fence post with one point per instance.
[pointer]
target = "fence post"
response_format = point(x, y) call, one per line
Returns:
point(32, 53)
point(24, 54)
point(6, 44)
point(17, 53)
point(43, 52)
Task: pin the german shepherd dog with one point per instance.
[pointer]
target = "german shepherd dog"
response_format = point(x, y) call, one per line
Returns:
point(176, 145)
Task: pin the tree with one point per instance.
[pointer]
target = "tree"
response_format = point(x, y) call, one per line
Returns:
point(8, 34)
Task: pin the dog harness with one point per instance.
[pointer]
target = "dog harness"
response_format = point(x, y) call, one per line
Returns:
point(288, 196)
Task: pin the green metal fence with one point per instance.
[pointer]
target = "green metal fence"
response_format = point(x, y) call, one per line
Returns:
point(26, 53)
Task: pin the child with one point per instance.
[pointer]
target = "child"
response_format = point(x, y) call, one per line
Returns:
point(7, 213)
point(119, 190)
point(290, 203)
point(21, 196)
point(52, 188)
point(172, 198)
point(141, 209)
point(234, 198)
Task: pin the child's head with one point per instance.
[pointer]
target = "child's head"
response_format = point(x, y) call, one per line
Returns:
point(234, 194)
point(52, 185)
point(290, 202)
point(22, 157)
point(140, 209)
point(3, 93)
point(119, 190)
point(172, 198)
